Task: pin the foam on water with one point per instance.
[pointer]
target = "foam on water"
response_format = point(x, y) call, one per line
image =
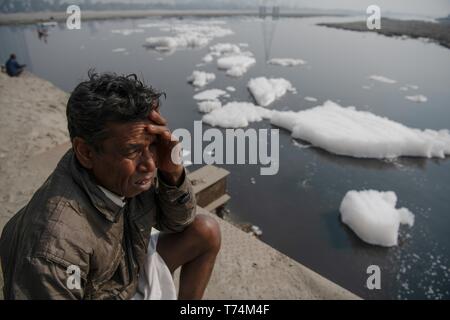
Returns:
point(286, 62)
point(382, 79)
point(119, 50)
point(235, 65)
point(211, 94)
point(127, 32)
point(361, 134)
point(236, 115)
point(200, 79)
point(209, 105)
point(373, 217)
point(417, 98)
point(265, 91)
point(187, 35)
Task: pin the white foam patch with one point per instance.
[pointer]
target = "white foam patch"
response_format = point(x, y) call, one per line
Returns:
point(200, 79)
point(408, 87)
point(236, 115)
point(235, 65)
point(265, 91)
point(231, 58)
point(300, 145)
point(171, 43)
point(231, 89)
point(127, 32)
point(311, 99)
point(349, 132)
point(211, 94)
point(224, 48)
point(382, 79)
point(209, 105)
point(154, 25)
point(286, 62)
point(373, 217)
point(119, 50)
point(417, 98)
point(208, 58)
point(190, 35)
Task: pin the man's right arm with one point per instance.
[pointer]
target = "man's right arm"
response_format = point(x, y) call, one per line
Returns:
point(18, 66)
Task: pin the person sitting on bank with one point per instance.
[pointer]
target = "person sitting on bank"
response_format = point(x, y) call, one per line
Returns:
point(89, 231)
point(13, 68)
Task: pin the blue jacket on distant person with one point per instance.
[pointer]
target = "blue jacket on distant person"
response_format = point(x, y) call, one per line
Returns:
point(13, 68)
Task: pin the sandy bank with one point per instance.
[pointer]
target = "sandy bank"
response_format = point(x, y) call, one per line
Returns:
point(32, 121)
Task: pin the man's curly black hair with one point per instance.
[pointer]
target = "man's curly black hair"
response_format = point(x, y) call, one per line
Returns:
point(104, 98)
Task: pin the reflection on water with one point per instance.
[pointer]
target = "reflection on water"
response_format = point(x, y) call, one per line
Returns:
point(297, 209)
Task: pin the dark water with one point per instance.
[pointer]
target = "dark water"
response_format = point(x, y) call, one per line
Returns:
point(297, 209)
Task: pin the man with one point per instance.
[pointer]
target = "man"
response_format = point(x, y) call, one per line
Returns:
point(87, 232)
point(13, 68)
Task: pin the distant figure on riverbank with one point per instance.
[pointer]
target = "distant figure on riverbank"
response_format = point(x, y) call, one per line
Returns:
point(13, 68)
point(42, 32)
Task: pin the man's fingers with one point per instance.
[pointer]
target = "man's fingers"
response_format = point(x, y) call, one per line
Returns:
point(162, 131)
point(157, 118)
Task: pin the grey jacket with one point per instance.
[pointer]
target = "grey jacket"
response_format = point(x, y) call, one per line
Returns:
point(70, 222)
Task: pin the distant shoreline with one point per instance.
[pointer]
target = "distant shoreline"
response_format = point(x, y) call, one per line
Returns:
point(35, 17)
point(438, 32)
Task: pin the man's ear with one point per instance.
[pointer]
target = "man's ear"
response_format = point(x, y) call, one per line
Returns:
point(84, 152)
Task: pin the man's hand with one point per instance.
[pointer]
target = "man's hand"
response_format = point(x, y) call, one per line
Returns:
point(171, 172)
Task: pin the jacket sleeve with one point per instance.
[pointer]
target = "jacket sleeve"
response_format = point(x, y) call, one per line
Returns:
point(177, 205)
point(43, 279)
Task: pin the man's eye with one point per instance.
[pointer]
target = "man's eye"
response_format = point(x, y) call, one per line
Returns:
point(132, 153)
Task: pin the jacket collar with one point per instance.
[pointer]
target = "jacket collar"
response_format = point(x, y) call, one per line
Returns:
point(84, 179)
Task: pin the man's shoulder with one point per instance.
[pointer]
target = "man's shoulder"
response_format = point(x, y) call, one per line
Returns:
point(63, 233)
point(55, 222)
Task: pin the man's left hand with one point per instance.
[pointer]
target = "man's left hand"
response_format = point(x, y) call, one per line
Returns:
point(167, 146)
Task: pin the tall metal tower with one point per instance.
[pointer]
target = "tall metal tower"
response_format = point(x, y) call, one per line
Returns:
point(269, 12)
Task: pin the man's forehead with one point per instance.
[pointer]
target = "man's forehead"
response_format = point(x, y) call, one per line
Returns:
point(129, 132)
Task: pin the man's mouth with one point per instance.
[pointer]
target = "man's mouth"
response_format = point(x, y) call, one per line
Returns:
point(144, 181)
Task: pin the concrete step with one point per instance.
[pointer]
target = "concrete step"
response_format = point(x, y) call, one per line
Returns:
point(217, 203)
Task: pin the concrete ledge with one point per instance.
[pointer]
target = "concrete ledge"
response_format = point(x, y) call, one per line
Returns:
point(247, 268)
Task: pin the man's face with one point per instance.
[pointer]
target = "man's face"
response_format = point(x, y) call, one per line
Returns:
point(126, 163)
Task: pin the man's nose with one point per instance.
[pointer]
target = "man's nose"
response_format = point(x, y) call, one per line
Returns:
point(147, 162)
